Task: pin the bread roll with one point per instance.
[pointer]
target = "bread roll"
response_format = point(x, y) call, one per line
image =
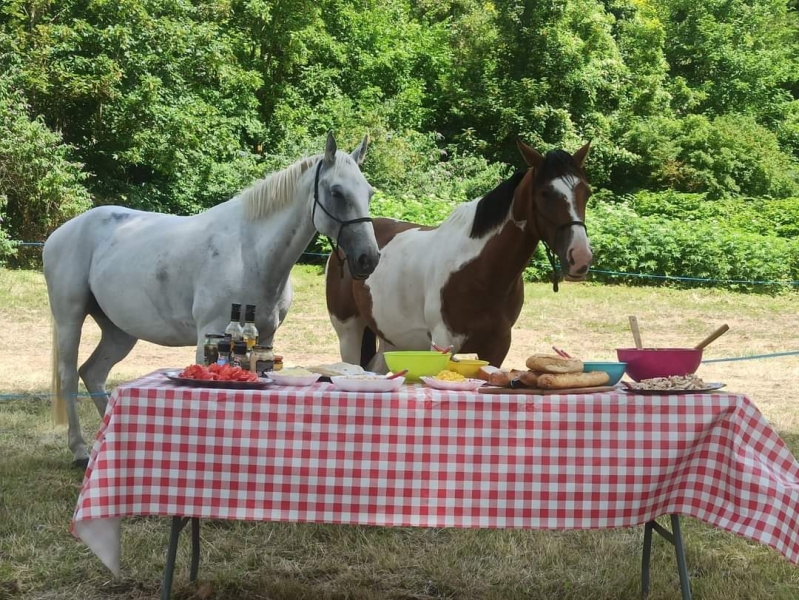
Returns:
point(562, 381)
point(552, 363)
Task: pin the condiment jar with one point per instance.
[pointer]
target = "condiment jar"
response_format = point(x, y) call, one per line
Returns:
point(262, 359)
point(211, 348)
point(224, 353)
point(239, 358)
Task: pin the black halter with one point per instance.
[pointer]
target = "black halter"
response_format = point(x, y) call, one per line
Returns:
point(342, 224)
point(551, 254)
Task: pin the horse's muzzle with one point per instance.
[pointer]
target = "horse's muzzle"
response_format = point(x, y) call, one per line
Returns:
point(578, 275)
point(364, 265)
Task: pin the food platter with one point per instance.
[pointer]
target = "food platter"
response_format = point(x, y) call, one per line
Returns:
point(367, 383)
point(468, 385)
point(211, 383)
point(709, 387)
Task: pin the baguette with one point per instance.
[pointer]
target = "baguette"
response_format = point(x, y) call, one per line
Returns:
point(561, 381)
point(526, 378)
point(552, 363)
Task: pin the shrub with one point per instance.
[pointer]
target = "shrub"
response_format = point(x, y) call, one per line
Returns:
point(627, 242)
point(40, 186)
point(731, 154)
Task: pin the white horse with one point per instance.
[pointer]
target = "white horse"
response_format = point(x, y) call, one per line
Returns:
point(169, 279)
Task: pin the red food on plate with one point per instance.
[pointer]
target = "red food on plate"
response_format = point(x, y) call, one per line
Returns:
point(215, 372)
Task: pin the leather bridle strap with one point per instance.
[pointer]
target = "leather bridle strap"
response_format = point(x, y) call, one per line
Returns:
point(551, 254)
point(342, 224)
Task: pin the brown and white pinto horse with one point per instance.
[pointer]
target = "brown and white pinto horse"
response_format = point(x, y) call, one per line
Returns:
point(460, 284)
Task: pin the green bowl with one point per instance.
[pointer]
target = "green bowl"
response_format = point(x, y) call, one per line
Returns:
point(615, 370)
point(421, 363)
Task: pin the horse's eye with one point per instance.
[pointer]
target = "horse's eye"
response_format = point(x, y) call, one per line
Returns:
point(337, 195)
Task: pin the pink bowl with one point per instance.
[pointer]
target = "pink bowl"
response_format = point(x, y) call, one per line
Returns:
point(659, 362)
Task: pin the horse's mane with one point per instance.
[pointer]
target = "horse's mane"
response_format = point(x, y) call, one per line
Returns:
point(276, 190)
point(493, 208)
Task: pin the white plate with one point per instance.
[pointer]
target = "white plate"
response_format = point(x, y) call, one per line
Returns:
point(295, 381)
point(457, 386)
point(350, 384)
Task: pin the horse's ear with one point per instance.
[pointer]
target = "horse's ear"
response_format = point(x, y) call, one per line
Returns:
point(581, 154)
point(531, 156)
point(359, 154)
point(330, 148)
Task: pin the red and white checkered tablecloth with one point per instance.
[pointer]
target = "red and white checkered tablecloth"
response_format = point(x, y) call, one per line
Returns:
point(421, 457)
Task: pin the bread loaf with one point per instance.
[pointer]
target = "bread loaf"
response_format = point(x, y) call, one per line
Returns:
point(562, 381)
point(527, 378)
point(499, 378)
point(485, 372)
point(552, 363)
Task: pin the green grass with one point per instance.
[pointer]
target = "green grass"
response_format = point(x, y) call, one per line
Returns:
point(39, 559)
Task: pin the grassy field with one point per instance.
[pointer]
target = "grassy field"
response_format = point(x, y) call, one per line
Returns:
point(38, 490)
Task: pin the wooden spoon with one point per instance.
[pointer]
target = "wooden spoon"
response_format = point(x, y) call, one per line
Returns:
point(636, 333)
point(713, 336)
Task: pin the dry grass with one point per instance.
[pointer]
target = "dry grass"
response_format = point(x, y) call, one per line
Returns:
point(39, 559)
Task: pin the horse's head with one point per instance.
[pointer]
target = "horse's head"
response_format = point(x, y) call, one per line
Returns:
point(555, 209)
point(342, 194)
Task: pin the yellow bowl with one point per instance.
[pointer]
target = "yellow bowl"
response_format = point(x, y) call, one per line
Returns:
point(467, 368)
point(419, 364)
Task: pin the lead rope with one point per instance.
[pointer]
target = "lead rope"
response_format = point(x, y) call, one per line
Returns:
point(341, 223)
point(551, 256)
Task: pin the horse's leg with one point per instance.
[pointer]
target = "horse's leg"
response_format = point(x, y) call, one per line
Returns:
point(495, 349)
point(114, 345)
point(378, 363)
point(350, 338)
point(68, 334)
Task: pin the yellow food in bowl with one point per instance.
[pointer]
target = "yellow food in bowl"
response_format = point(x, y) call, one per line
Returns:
point(467, 368)
point(450, 376)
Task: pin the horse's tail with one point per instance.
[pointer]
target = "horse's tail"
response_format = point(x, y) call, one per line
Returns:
point(368, 346)
point(58, 406)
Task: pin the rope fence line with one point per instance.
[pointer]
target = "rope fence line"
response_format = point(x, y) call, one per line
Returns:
point(21, 396)
point(598, 271)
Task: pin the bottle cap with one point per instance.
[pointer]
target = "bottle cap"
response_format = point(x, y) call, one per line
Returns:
point(240, 347)
point(224, 346)
point(235, 312)
point(249, 312)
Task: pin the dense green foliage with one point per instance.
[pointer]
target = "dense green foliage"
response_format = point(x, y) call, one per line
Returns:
point(174, 105)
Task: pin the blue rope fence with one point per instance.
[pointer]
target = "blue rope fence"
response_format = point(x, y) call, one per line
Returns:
point(598, 271)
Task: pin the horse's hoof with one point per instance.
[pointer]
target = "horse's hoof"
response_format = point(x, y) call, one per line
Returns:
point(81, 463)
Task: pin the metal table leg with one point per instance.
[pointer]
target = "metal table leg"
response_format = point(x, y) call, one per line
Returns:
point(195, 549)
point(178, 523)
point(674, 537)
